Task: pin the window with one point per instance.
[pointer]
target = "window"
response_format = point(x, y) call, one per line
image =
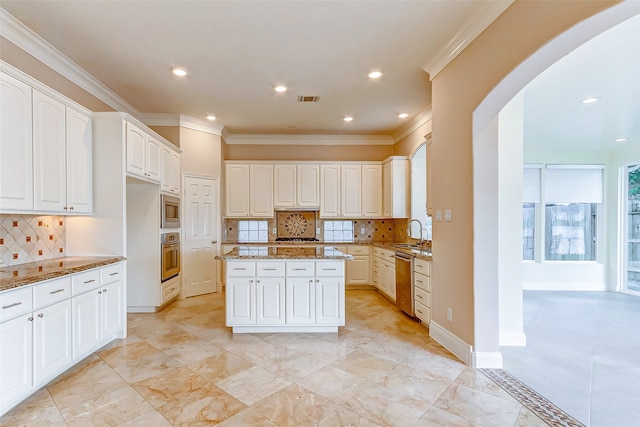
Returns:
point(419, 194)
point(253, 231)
point(338, 231)
point(530, 201)
point(573, 196)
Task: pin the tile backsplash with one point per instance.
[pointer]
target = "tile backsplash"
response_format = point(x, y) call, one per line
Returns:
point(29, 238)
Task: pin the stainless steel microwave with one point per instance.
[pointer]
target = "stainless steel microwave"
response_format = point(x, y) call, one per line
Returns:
point(170, 213)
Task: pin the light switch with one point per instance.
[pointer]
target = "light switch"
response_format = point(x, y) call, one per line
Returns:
point(447, 214)
point(273, 230)
point(438, 215)
point(317, 231)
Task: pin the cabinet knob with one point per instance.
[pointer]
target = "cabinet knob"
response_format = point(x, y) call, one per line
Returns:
point(99, 292)
point(40, 315)
point(71, 208)
point(30, 319)
point(65, 208)
point(104, 290)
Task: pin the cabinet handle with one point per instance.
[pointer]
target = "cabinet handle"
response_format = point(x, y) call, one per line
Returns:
point(71, 208)
point(99, 292)
point(419, 311)
point(238, 268)
point(41, 315)
point(15, 304)
point(65, 208)
point(419, 281)
point(104, 290)
point(89, 281)
point(113, 274)
point(268, 269)
point(419, 296)
point(328, 269)
point(298, 269)
point(30, 319)
point(57, 291)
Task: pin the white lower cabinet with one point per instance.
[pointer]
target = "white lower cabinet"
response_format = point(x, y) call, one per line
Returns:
point(384, 272)
point(47, 327)
point(422, 290)
point(302, 295)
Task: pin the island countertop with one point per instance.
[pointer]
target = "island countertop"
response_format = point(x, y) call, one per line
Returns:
point(12, 277)
point(284, 252)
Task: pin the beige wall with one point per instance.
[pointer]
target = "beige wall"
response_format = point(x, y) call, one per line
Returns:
point(457, 91)
point(201, 153)
point(171, 133)
point(13, 55)
point(407, 145)
point(307, 152)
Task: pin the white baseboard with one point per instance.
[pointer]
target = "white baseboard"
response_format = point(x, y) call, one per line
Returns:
point(487, 359)
point(560, 286)
point(451, 342)
point(513, 339)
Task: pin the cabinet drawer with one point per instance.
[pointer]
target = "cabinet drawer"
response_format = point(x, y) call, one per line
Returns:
point(15, 303)
point(423, 313)
point(85, 281)
point(423, 297)
point(111, 274)
point(380, 253)
point(329, 268)
point(241, 268)
point(270, 269)
point(170, 291)
point(422, 282)
point(51, 292)
point(300, 269)
point(358, 250)
point(423, 267)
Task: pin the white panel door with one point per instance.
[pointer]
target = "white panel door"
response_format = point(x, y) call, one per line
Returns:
point(308, 186)
point(79, 162)
point(15, 358)
point(16, 145)
point(350, 181)
point(112, 310)
point(87, 328)
point(330, 191)
point(241, 301)
point(153, 159)
point(136, 151)
point(330, 301)
point(372, 191)
point(49, 154)
point(300, 301)
point(261, 190)
point(200, 236)
point(284, 185)
point(270, 301)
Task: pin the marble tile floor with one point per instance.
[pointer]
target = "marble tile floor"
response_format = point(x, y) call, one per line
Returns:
point(582, 354)
point(183, 367)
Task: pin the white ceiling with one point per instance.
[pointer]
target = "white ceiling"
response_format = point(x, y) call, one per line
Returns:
point(607, 66)
point(237, 51)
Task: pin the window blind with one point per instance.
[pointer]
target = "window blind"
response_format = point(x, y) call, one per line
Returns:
point(574, 184)
point(531, 184)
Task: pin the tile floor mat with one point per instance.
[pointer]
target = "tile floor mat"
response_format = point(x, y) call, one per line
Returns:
point(529, 398)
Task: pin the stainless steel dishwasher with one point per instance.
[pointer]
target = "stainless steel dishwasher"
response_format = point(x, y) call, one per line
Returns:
point(404, 283)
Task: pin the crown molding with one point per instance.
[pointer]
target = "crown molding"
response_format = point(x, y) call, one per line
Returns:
point(416, 121)
point(309, 139)
point(489, 12)
point(181, 120)
point(23, 37)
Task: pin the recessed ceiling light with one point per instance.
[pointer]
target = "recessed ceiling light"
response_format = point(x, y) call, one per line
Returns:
point(375, 75)
point(403, 115)
point(211, 117)
point(348, 119)
point(179, 71)
point(280, 88)
point(621, 139)
point(591, 100)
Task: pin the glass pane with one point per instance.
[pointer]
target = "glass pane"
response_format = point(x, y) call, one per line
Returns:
point(570, 232)
point(528, 230)
point(633, 227)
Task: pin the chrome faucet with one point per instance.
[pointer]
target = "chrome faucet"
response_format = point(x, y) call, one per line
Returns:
point(409, 229)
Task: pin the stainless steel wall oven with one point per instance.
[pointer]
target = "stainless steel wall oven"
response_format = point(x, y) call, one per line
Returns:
point(170, 251)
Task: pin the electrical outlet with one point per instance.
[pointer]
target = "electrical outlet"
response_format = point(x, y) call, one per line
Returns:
point(362, 230)
point(273, 230)
point(317, 231)
point(449, 314)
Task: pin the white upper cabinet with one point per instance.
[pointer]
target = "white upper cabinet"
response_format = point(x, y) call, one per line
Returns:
point(79, 162)
point(170, 177)
point(395, 179)
point(16, 148)
point(49, 154)
point(371, 191)
point(296, 185)
point(351, 178)
point(62, 156)
point(143, 154)
point(330, 191)
point(236, 190)
point(261, 194)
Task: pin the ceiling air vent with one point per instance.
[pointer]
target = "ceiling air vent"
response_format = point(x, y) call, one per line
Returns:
point(308, 98)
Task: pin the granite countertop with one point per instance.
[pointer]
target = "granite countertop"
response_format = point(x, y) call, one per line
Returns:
point(27, 274)
point(284, 252)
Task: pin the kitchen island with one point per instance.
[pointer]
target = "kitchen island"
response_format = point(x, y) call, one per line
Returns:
point(285, 288)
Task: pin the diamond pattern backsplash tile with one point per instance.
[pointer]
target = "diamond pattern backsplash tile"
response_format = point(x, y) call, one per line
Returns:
point(30, 238)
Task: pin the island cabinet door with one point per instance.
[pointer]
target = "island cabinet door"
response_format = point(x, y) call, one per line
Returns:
point(241, 301)
point(330, 301)
point(301, 301)
point(270, 301)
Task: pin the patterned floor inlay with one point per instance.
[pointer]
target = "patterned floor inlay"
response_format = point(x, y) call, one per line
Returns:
point(529, 398)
